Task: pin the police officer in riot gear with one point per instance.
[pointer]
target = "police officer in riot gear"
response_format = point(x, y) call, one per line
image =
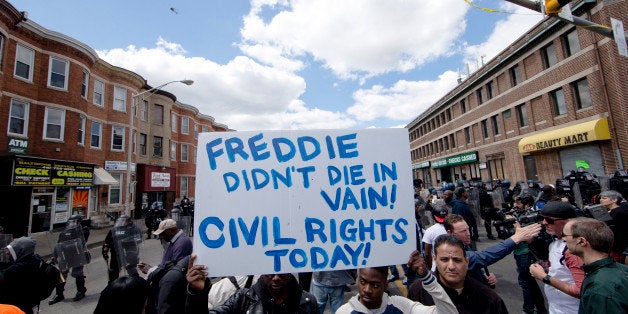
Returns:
point(76, 234)
point(123, 229)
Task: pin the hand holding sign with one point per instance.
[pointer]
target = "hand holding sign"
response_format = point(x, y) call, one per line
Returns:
point(196, 275)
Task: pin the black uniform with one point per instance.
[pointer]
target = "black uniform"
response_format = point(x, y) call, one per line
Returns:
point(119, 232)
point(73, 231)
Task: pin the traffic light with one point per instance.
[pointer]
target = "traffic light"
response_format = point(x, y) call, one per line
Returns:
point(553, 6)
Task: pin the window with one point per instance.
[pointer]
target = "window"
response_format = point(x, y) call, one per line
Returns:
point(117, 138)
point(80, 137)
point(515, 75)
point(144, 110)
point(548, 53)
point(18, 118)
point(489, 90)
point(495, 122)
point(522, 115)
point(463, 106)
point(195, 130)
point(158, 114)
point(115, 192)
point(1, 48)
point(184, 186)
point(446, 140)
point(185, 125)
point(173, 150)
point(478, 93)
point(184, 152)
point(119, 98)
point(571, 43)
point(54, 124)
point(96, 135)
point(99, 93)
point(448, 114)
point(484, 128)
point(205, 128)
point(452, 141)
point(558, 101)
point(158, 146)
point(582, 94)
point(58, 73)
point(506, 113)
point(142, 144)
point(173, 122)
point(85, 84)
point(467, 135)
point(24, 60)
point(134, 141)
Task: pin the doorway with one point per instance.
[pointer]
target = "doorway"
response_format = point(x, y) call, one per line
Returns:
point(41, 211)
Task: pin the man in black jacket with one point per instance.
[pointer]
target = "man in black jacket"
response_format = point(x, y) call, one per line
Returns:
point(167, 288)
point(451, 272)
point(278, 293)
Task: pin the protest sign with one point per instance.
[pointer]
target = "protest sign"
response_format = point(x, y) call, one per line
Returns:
point(298, 201)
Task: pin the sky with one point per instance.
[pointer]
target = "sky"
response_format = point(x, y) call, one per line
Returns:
point(294, 64)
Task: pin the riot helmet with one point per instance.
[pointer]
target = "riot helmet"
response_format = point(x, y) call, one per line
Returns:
point(123, 220)
point(74, 221)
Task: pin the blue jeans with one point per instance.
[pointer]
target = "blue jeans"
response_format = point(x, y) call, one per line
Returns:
point(335, 295)
point(532, 295)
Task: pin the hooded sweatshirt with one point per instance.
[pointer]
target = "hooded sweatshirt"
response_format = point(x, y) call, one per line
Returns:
point(18, 279)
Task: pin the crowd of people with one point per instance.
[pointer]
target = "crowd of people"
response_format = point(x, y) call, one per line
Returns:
point(579, 262)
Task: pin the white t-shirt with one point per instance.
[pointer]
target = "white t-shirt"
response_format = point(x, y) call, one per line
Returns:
point(559, 302)
point(430, 236)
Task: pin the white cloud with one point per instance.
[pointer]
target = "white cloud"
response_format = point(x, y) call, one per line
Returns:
point(402, 101)
point(356, 38)
point(242, 94)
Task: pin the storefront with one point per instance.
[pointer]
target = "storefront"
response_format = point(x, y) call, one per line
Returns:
point(422, 172)
point(457, 167)
point(155, 184)
point(43, 193)
point(576, 146)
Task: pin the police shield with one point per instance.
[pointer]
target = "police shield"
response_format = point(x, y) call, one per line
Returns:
point(71, 253)
point(5, 239)
point(474, 201)
point(127, 241)
point(498, 197)
point(577, 195)
point(185, 224)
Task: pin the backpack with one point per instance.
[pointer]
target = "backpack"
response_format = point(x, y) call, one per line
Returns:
point(49, 276)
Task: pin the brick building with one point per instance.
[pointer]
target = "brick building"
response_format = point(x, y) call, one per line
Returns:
point(66, 116)
point(554, 100)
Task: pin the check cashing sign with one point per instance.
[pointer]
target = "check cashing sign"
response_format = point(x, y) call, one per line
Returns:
point(295, 201)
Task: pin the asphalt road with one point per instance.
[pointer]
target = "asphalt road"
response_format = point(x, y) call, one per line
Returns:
point(505, 271)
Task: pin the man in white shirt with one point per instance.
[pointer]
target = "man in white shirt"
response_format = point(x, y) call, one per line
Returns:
point(439, 213)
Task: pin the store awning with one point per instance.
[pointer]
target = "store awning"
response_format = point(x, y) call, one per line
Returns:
point(594, 130)
point(102, 177)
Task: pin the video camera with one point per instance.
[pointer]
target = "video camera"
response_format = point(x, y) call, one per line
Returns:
point(506, 226)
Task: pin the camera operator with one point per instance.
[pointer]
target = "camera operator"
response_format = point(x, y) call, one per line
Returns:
point(563, 278)
point(524, 257)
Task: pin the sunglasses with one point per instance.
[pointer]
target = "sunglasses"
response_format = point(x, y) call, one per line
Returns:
point(551, 221)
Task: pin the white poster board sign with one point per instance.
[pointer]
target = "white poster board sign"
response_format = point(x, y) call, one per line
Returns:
point(160, 180)
point(298, 201)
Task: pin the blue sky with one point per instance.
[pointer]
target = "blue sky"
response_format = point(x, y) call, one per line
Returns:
point(306, 64)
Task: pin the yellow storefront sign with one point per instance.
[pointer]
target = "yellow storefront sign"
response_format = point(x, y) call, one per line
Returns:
point(595, 130)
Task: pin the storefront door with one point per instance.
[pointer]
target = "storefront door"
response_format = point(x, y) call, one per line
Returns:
point(41, 212)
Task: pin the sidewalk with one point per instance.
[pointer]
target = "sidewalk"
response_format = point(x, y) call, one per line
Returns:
point(47, 240)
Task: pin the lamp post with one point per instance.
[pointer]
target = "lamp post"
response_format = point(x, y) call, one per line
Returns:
point(135, 101)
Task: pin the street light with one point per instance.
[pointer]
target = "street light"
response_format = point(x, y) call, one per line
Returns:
point(135, 101)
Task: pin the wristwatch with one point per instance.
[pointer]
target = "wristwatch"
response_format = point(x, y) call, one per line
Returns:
point(546, 279)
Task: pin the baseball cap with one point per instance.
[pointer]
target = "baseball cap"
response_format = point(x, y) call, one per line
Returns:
point(440, 212)
point(558, 209)
point(165, 225)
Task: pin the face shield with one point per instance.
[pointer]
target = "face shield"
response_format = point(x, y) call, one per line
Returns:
point(123, 221)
